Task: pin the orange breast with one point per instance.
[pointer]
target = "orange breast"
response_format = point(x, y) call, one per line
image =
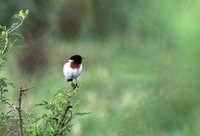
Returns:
point(74, 65)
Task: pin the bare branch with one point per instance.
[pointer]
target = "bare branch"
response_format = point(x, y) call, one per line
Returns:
point(19, 108)
point(12, 105)
point(65, 116)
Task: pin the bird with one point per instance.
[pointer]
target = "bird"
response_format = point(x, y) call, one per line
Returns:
point(72, 69)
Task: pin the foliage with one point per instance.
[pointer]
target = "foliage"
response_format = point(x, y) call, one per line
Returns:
point(6, 37)
point(57, 120)
point(8, 123)
point(8, 33)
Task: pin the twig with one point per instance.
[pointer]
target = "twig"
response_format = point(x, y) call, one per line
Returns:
point(19, 108)
point(65, 116)
point(12, 105)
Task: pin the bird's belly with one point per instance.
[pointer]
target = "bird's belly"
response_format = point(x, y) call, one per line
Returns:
point(71, 73)
point(75, 74)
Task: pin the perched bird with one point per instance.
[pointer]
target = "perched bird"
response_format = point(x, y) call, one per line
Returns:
point(72, 69)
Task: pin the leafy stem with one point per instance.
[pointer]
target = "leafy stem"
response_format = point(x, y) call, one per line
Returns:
point(6, 32)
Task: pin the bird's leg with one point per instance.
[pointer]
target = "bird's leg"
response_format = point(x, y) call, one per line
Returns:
point(73, 85)
point(77, 83)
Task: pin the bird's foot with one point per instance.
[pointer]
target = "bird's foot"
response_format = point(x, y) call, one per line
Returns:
point(74, 85)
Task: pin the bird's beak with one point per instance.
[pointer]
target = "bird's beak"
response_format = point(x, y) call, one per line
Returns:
point(83, 58)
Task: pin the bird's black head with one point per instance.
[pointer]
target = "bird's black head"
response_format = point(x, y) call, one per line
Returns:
point(76, 59)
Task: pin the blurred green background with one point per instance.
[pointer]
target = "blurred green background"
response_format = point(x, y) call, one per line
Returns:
point(141, 66)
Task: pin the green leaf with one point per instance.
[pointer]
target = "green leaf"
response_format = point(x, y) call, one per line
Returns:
point(81, 113)
point(1, 26)
point(5, 90)
point(45, 102)
point(11, 84)
point(27, 11)
point(22, 14)
point(39, 104)
point(4, 34)
point(17, 35)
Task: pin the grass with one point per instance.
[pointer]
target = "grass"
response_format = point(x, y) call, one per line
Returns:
point(143, 82)
point(130, 89)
